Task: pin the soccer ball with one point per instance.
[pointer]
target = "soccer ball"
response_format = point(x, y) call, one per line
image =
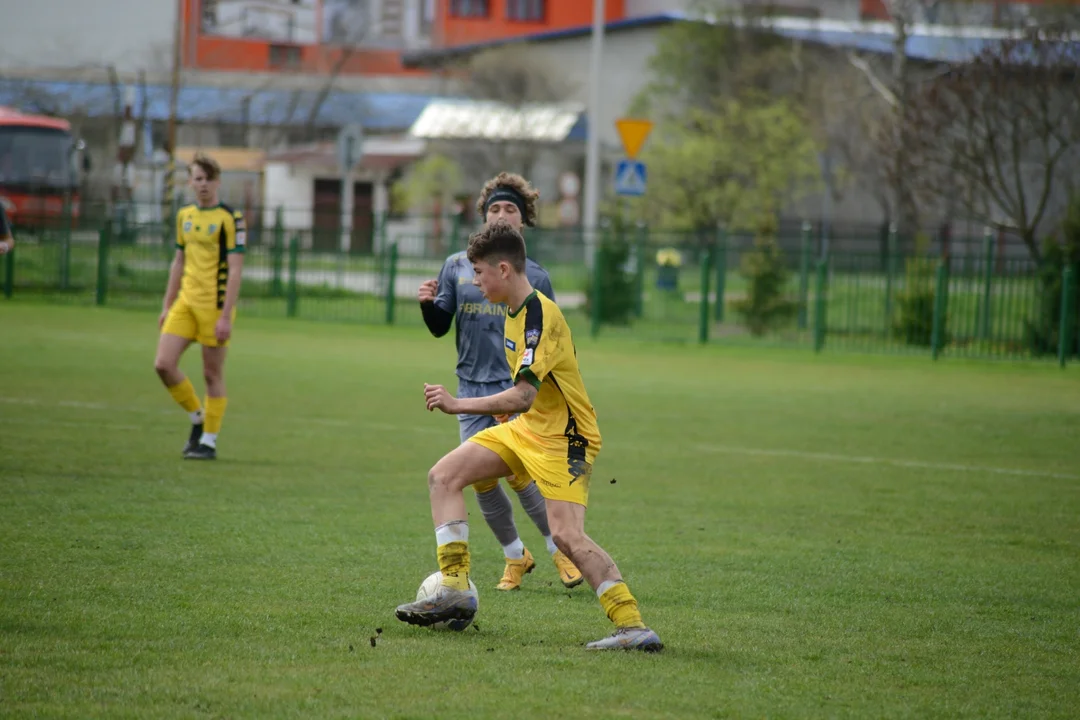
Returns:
point(427, 589)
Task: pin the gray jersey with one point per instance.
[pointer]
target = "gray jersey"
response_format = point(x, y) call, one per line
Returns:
point(478, 323)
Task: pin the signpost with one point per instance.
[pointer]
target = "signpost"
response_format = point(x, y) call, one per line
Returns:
point(349, 152)
point(350, 149)
point(631, 175)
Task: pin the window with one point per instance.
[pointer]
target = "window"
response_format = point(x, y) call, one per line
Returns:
point(284, 57)
point(525, 10)
point(427, 16)
point(469, 8)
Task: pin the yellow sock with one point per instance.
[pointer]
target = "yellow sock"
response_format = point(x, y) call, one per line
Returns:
point(215, 413)
point(454, 564)
point(184, 395)
point(621, 607)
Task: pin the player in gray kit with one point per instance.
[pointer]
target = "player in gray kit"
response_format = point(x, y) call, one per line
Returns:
point(482, 371)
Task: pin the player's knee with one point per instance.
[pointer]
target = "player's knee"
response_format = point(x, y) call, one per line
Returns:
point(164, 367)
point(212, 375)
point(437, 479)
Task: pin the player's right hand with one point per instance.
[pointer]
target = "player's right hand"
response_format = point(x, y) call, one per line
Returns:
point(427, 291)
point(161, 318)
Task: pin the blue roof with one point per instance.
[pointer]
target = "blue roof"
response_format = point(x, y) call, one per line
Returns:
point(935, 43)
point(378, 111)
point(421, 57)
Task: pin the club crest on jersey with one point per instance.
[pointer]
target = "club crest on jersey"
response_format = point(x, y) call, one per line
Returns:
point(210, 230)
point(187, 226)
point(532, 337)
point(527, 357)
point(511, 344)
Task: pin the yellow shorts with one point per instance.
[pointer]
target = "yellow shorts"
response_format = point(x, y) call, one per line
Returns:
point(194, 323)
point(559, 477)
point(517, 483)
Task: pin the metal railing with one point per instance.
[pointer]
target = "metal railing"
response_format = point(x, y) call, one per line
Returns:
point(636, 282)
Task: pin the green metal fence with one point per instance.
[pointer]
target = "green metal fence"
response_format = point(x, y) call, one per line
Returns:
point(632, 282)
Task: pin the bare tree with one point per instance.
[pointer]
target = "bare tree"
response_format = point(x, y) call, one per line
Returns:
point(1001, 133)
point(895, 91)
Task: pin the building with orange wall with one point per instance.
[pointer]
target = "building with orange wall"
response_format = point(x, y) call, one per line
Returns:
point(464, 22)
point(358, 37)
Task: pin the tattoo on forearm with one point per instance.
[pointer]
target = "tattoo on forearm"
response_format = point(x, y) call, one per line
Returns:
point(528, 394)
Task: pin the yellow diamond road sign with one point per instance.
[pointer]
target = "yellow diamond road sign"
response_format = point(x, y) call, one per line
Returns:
point(633, 133)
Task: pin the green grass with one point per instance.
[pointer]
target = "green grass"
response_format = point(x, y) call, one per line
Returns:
point(841, 536)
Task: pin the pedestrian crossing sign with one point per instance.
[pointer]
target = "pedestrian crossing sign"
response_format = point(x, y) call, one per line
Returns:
point(630, 177)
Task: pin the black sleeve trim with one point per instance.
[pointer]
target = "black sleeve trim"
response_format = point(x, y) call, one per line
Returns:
point(438, 321)
point(534, 321)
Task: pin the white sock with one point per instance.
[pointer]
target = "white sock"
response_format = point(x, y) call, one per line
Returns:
point(209, 439)
point(453, 531)
point(515, 550)
point(196, 417)
point(552, 549)
point(605, 586)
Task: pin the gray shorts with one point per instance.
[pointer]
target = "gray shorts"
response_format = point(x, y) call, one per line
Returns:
point(469, 425)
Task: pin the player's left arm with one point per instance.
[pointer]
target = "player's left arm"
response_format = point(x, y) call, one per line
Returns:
point(236, 243)
point(516, 400)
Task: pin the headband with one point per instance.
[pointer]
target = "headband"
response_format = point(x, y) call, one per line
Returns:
point(507, 194)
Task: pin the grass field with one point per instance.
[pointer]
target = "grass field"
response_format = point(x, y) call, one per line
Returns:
point(812, 536)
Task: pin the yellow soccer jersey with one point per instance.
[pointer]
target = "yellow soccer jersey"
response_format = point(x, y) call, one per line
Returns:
point(540, 349)
point(207, 236)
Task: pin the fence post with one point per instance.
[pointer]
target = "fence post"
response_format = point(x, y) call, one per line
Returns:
point(1068, 304)
point(277, 251)
point(703, 315)
point(104, 238)
point(391, 280)
point(9, 273)
point(804, 275)
point(65, 244)
point(455, 232)
point(820, 306)
point(640, 248)
point(890, 273)
point(291, 300)
point(721, 273)
point(597, 286)
point(988, 279)
point(941, 305)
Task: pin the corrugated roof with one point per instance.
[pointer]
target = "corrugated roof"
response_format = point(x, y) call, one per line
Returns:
point(421, 58)
point(938, 43)
point(378, 111)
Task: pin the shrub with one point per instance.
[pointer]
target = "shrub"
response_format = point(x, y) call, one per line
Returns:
point(1042, 331)
point(618, 289)
point(915, 322)
point(765, 306)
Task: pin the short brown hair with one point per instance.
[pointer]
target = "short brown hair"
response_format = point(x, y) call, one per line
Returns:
point(514, 182)
point(207, 164)
point(498, 241)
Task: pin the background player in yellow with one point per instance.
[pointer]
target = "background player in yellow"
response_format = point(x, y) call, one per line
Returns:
point(554, 440)
point(200, 303)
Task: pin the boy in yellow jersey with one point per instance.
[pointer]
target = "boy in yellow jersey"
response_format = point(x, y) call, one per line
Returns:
point(200, 303)
point(554, 440)
point(482, 370)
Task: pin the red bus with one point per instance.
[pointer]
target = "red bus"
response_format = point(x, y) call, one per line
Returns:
point(37, 168)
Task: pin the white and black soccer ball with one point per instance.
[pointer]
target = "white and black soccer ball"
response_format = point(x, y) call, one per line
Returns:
point(429, 587)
